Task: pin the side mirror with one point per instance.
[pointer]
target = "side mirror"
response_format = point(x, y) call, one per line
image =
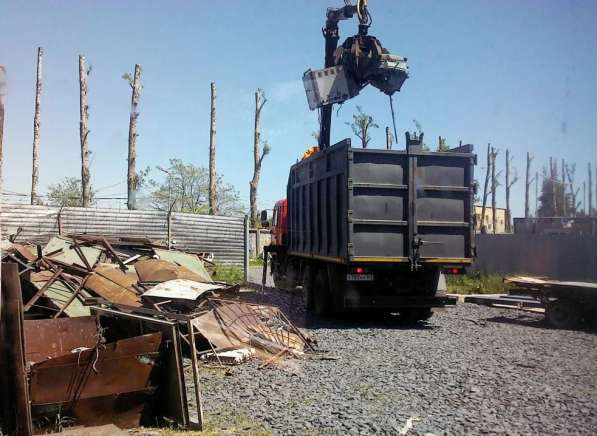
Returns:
point(264, 220)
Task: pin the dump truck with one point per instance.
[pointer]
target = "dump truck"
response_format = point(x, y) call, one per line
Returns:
point(370, 228)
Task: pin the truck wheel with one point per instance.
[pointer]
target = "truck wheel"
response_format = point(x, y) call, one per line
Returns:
point(562, 314)
point(321, 293)
point(308, 282)
point(416, 314)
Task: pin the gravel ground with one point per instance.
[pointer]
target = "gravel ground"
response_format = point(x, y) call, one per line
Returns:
point(469, 370)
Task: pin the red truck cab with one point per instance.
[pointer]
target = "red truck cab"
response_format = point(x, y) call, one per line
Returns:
point(279, 222)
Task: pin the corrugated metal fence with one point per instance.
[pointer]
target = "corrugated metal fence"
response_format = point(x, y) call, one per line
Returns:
point(223, 236)
point(560, 257)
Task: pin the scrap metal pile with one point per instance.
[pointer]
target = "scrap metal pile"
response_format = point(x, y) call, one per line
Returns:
point(95, 331)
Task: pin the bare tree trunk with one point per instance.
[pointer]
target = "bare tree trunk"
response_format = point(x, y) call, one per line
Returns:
point(485, 188)
point(552, 176)
point(84, 132)
point(570, 170)
point(527, 185)
point(564, 207)
point(36, 124)
point(536, 194)
point(213, 210)
point(388, 138)
point(132, 179)
point(2, 88)
point(584, 196)
point(590, 190)
point(493, 189)
point(258, 156)
point(508, 185)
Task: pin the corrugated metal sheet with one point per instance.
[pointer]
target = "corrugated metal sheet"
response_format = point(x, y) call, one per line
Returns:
point(223, 236)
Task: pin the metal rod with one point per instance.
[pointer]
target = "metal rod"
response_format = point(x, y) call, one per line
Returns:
point(198, 399)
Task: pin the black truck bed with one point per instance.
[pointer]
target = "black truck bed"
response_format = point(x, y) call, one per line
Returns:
point(370, 205)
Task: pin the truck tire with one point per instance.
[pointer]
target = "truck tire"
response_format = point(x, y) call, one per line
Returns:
point(321, 293)
point(562, 314)
point(308, 284)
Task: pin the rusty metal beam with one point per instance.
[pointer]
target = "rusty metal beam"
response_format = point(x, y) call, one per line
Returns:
point(15, 393)
point(43, 289)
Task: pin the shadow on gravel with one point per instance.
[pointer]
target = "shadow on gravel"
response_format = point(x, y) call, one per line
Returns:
point(291, 303)
point(362, 320)
point(527, 321)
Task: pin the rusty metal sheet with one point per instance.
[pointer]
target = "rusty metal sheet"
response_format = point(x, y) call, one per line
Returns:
point(188, 260)
point(49, 338)
point(233, 324)
point(60, 294)
point(68, 255)
point(114, 285)
point(119, 367)
point(126, 410)
point(161, 271)
point(26, 252)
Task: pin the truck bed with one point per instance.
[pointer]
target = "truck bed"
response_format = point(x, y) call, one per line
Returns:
point(372, 205)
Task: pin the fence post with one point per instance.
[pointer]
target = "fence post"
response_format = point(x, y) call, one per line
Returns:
point(169, 236)
point(246, 254)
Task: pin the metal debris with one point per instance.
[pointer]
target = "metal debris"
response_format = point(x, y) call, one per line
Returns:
point(104, 324)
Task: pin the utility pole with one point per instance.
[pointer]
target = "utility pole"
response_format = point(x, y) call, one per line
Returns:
point(213, 210)
point(36, 125)
point(132, 178)
point(84, 132)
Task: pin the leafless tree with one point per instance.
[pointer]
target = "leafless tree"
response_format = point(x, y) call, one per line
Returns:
point(486, 189)
point(590, 183)
point(552, 176)
point(527, 185)
point(511, 179)
point(132, 178)
point(442, 144)
point(389, 138)
point(84, 132)
point(36, 125)
point(570, 171)
point(536, 193)
point(212, 154)
point(2, 92)
point(361, 126)
point(258, 156)
point(564, 196)
point(494, 185)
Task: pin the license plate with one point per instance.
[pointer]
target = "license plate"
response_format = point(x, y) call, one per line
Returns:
point(359, 277)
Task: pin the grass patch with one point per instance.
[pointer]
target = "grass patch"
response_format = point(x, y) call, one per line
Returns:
point(476, 282)
point(256, 262)
point(225, 421)
point(232, 274)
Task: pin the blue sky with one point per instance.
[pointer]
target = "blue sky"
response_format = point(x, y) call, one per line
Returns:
point(518, 74)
